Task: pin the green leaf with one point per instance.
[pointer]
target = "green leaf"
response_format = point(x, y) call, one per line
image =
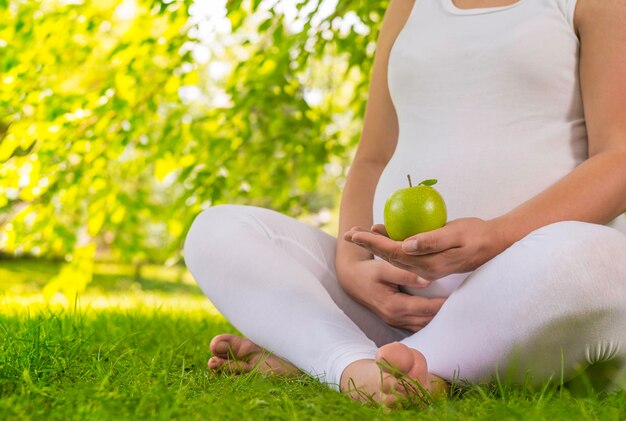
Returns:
point(429, 182)
point(102, 116)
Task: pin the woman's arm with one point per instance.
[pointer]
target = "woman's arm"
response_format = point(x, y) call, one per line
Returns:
point(378, 140)
point(595, 191)
point(374, 283)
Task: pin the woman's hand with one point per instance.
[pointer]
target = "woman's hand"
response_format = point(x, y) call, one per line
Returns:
point(376, 285)
point(460, 246)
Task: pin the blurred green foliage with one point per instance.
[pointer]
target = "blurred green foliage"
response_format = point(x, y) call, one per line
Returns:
point(115, 130)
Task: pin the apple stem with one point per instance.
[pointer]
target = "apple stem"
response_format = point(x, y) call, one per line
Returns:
point(409, 177)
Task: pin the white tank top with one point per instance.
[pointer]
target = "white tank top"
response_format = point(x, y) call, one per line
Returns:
point(488, 102)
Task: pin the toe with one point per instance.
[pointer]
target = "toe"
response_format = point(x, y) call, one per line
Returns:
point(235, 367)
point(224, 365)
point(390, 400)
point(397, 355)
point(400, 360)
point(244, 348)
point(389, 384)
point(234, 354)
point(420, 368)
point(221, 344)
point(233, 346)
point(215, 363)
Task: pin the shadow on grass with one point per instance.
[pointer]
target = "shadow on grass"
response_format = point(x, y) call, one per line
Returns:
point(120, 283)
point(31, 275)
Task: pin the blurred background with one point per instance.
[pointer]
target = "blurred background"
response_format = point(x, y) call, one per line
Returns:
point(120, 121)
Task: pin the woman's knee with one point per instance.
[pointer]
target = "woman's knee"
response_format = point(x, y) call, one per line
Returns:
point(577, 259)
point(573, 243)
point(214, 231)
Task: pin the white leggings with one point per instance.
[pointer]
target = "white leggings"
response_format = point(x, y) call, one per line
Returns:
point(550, 304)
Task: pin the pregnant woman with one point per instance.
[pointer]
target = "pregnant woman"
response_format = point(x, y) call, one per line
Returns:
point(519, 110)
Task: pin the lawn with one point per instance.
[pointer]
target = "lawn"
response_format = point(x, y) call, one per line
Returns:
point(136, 347)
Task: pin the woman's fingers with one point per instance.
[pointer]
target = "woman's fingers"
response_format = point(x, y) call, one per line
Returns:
point(413, 305)
point(429, 266)
point(435, 241)
point(383, 246)
point(410, 312)
point(425, 306)
point(398, 276)
point(415, 324)
point(348, 234)
point(380, 229)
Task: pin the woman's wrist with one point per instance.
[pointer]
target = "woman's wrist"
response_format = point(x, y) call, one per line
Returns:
point(505, 233)
point(348, 253)
point(344, 263)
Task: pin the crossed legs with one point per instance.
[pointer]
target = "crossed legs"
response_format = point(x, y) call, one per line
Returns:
point(562, 288)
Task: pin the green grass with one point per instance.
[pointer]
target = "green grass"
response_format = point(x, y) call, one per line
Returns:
point(132, 360)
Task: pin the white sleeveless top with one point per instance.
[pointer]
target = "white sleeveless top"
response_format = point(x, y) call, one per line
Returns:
point(488, 102)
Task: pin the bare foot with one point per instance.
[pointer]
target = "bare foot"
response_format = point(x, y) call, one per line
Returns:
point(398, 373)
point(234, 354)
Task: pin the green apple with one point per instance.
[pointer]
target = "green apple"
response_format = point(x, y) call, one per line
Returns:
point(414, 209)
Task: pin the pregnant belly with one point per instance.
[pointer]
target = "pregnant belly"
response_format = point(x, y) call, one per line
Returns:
point(476, 183)
point(483, 182)
point(467, 188)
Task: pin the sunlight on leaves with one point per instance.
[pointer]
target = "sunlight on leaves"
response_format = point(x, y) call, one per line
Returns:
point(74, 276)
point(119, 119)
